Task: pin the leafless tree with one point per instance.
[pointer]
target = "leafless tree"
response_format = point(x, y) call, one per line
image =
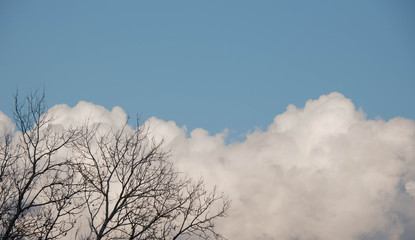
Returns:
point(119, 181)
point(7, 160)
point(37, 186)
point(132, 190)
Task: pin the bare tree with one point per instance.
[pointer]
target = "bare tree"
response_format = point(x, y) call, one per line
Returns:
point(37, 187)
point(118, 181)
point(7, 160)
point(132, 190)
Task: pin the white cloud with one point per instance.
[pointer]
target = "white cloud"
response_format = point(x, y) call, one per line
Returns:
point(85, 112)
point(322, 172)
point(6, 124)
point(410, 188)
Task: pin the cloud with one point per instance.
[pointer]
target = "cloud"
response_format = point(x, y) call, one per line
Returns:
point(323, 172)
point(410, 188)
point(88, 113)
point(6, 124)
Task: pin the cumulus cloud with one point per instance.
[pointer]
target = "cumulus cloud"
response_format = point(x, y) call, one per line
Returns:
point(87, 113)
point(6, 124)
point(323, 172)
point(410, 188)
point(320, 172)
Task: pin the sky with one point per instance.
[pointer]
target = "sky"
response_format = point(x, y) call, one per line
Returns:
point(301, 111)
point(215, 65)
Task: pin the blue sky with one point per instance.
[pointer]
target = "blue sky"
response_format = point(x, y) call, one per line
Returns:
point(210, 64)
point(321, 172)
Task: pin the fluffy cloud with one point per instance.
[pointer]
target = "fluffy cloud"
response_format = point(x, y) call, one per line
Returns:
point(321, 172)
point(88, 113)
point(6, 124)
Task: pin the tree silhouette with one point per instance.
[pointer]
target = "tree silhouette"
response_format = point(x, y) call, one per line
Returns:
point(36, 185)
point(95, 182)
